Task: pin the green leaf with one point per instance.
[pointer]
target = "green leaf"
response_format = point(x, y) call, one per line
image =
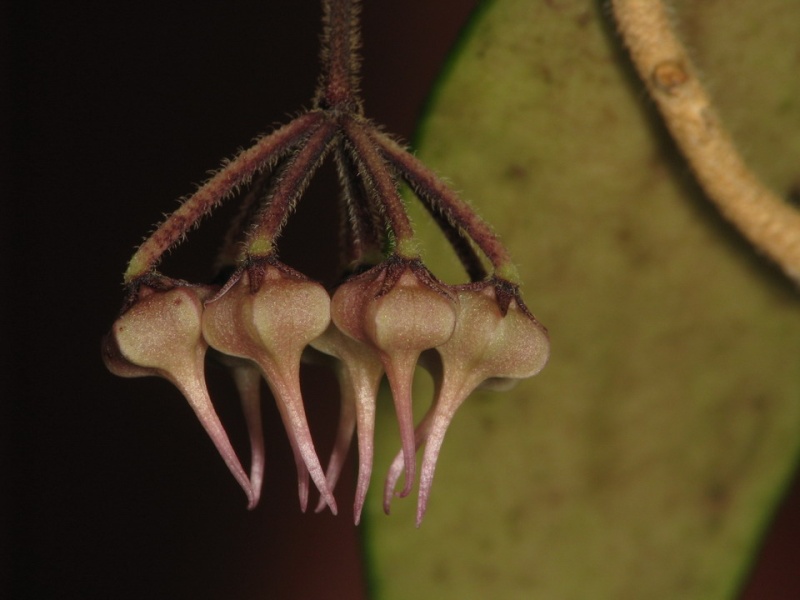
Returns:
point(647, 457)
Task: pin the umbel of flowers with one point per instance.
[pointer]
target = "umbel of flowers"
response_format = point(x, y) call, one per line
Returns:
point(388, 315)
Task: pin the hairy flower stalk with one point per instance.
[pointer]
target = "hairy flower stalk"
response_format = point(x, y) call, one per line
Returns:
point(388, 313)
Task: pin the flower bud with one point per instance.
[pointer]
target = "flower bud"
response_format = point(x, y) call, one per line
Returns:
point(399, 309)
point(269, 316)
point(160, 335)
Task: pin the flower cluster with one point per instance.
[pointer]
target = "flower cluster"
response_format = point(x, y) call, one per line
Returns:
point(388, 315)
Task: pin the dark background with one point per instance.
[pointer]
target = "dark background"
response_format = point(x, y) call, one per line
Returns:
point(111, 111)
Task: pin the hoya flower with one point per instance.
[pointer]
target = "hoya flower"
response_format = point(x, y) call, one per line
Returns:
point(268, 316)
point(398, 310)
point(160, 335)
point(386, 315)
point(487, 346)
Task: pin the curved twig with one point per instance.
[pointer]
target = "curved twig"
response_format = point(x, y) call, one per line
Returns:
point(287, 189)
point(762, 217)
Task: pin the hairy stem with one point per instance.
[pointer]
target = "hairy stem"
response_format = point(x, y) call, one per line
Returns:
point(288, 188)
point(363, 226)
point(381, 183)
point(234, 174)
point(465, 252)
point(230, 250)
point(460, 243)
point(763, 218)
point(434, 193)
point(338, 86)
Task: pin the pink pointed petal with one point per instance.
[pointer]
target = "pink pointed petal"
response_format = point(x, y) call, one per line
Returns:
point(433, 445)
point(344, 434)
point(193, 387)
point(302, 472)
point(366, 393)
point(286, 390)
point(396, 469)
point(365, 454)
point(454, 390)
point(400, 371)
point(360, 375)
point(247, 378)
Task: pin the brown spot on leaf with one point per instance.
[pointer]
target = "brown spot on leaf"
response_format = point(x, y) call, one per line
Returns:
point(584, 19)
point(632, 246)
point(558, 5)
point(516, 172)
point(545, 74)
point(488, 424)
point(441, 572)
point(718, 499)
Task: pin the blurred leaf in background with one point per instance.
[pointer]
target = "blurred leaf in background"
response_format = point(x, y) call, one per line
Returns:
point(646, 460)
